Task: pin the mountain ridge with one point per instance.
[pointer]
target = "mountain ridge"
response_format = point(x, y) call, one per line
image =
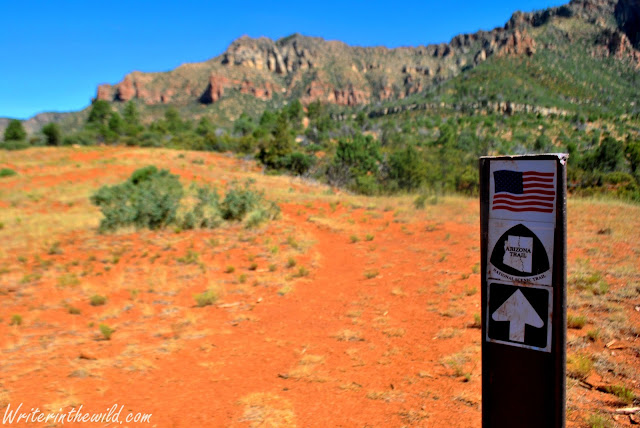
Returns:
point(312, 68)
point(254, 73)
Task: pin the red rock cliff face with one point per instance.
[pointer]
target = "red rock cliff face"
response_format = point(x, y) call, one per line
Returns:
point(126, 90)
point(218, 84)
point(617, 45)
point(329, 71)
point(336, 72)
point(215, 89)
point(105, 93)
point(518, 43)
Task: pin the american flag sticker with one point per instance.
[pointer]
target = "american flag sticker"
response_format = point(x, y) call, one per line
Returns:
point(523, 190)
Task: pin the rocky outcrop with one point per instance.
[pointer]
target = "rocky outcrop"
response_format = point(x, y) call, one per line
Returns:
point(218, 84)
point(323, 92)
point(105, 92)
point(315, 69)
point(386, 92)
point(503, 107)
point(627, 13)
point(587, 10)
point(334, 71)
point(126, 90)
point(616, 44)
point(518, 43)
point(349, 97)
point(481, 56)
point(278, 57)
point(264, 91)
point(215, 89)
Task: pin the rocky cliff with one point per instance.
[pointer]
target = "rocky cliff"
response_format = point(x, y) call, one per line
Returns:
point(312, 69)
point(256, 72)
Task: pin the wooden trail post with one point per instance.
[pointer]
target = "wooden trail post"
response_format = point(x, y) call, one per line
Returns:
point(523, 235)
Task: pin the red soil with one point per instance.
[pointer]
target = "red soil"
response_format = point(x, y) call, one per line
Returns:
point(377, 333)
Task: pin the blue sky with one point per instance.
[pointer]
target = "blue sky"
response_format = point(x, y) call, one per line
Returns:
point(55, 54)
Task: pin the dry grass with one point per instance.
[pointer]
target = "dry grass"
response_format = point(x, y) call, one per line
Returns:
point(348, 336)
point(263, 409)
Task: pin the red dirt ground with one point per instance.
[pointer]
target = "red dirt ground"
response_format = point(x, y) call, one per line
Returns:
point(372, 327)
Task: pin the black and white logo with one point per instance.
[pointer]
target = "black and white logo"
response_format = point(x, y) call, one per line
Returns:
point(520, 252)
point(517, 253)
point(519, 315)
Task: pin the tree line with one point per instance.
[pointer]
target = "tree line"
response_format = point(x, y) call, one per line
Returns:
point(414, 152)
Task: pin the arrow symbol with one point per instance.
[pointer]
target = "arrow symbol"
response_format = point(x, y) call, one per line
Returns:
point(518, 312)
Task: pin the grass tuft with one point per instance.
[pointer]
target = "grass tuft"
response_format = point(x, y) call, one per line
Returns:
point(206, 298)
point(106, 331)
point(97, 300)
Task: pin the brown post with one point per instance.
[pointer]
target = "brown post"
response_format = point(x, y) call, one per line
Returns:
point(523, 237)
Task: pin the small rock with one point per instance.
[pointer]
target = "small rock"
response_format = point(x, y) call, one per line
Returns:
point(628, 410)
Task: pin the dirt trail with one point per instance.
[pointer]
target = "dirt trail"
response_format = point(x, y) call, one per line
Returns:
point(340, 350)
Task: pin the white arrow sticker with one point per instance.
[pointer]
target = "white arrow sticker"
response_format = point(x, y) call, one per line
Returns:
point(518, 312)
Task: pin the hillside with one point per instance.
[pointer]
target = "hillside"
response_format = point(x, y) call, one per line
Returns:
point(581, 54)
point(310, 69)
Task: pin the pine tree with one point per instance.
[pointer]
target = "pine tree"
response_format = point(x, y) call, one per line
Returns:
point(52, 134)
point(15, 131)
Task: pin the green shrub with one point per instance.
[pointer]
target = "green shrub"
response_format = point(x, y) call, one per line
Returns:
point(15, 145)
point(148, 199)
point(302, 271)
point(407, 168)
point(239, 201)
point(154, 199)
point(366, 185)
point(579, 366)
point(597, 420)
point(261, 214)
point(625, 394)
point(576, 321)
point(371, 273)
point(106, 331)
point(191, 257)
point(73, 310)
point(477, 321)
point(7, 172)
point(206, 298)
point(298, 163)
point(593, 335)
point(205, 212)
point(16, 319)
point(246, 203)
point(97, 300)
